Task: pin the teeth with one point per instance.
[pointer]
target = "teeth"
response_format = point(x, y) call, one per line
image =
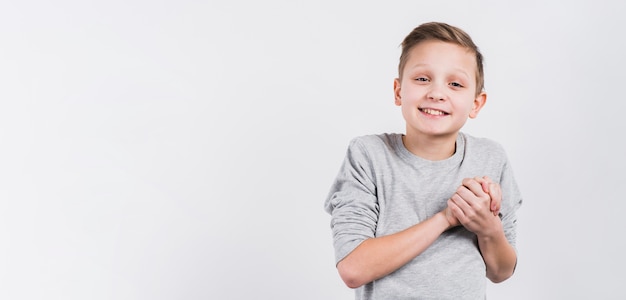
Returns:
point(433, 112)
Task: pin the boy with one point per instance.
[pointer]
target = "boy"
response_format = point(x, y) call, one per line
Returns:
point(412, 214)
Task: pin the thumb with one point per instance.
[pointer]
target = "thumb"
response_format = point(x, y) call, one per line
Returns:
point(486, 186)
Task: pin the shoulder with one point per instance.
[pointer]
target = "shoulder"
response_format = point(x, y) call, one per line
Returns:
point(483, 148)
point(482, 143)
point(374, 147)
point(375, 141)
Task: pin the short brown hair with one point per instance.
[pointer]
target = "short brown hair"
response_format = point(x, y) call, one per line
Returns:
point(445, 33)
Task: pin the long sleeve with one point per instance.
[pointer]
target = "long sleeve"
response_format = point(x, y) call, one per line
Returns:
point(352, 202)
point(511, 201)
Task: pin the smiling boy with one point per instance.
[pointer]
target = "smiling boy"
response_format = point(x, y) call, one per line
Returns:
point(412, 214)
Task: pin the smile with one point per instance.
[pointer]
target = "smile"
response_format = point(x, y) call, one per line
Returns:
point(433, 112)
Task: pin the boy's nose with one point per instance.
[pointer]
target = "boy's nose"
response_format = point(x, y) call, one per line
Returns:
point(436, 94)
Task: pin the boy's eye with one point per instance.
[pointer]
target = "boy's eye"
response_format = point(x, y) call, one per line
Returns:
point(456, 84)
point(421, 79)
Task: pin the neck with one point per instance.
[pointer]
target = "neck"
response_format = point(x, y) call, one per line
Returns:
point(430, 147)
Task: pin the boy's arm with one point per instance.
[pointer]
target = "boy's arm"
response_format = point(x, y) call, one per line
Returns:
point(377, 257)
point(471, 206)
point(353, 205)
point(498, 254)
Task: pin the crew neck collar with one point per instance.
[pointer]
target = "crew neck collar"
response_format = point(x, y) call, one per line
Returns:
point(413, 159)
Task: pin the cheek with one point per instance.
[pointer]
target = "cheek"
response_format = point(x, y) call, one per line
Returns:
point(408, 104)
point(407, 109)
point(410, 94)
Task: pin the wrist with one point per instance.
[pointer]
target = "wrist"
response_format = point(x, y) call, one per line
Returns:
point(493, 234)
point(443, 218)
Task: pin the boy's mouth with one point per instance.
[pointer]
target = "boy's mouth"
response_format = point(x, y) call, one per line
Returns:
point(433, 112)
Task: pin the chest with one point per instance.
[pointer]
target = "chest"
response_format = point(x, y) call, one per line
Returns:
point(407, 196)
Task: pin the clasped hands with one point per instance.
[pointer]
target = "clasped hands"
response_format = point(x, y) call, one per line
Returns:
point(475, 205)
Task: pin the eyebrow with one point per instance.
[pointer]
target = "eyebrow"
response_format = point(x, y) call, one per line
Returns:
point(427, 65)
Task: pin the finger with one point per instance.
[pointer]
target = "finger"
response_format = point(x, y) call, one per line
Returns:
point(497, 194)
point(485, 186)
point(490, 188)
point(484, 183)
point(455, 203)
point(494, 199)
point(465, 194)
point(454, 208)
point(461, 203)
point(474, 186)
point(471, 199)
point(495, 205)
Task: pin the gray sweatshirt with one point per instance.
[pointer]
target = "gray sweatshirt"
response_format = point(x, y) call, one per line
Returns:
point(382, 188)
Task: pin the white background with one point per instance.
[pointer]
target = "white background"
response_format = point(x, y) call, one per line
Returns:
point(183, 149)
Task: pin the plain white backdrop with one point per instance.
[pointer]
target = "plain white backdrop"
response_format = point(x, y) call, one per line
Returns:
point(183, 149)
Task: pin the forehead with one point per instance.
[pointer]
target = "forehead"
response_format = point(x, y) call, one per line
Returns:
point(442, 56)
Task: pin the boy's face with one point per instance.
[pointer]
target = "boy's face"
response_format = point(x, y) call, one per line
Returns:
point(437, 90)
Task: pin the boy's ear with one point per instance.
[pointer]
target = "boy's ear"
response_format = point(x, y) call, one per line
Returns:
point(478, 104)
point(396, 91)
